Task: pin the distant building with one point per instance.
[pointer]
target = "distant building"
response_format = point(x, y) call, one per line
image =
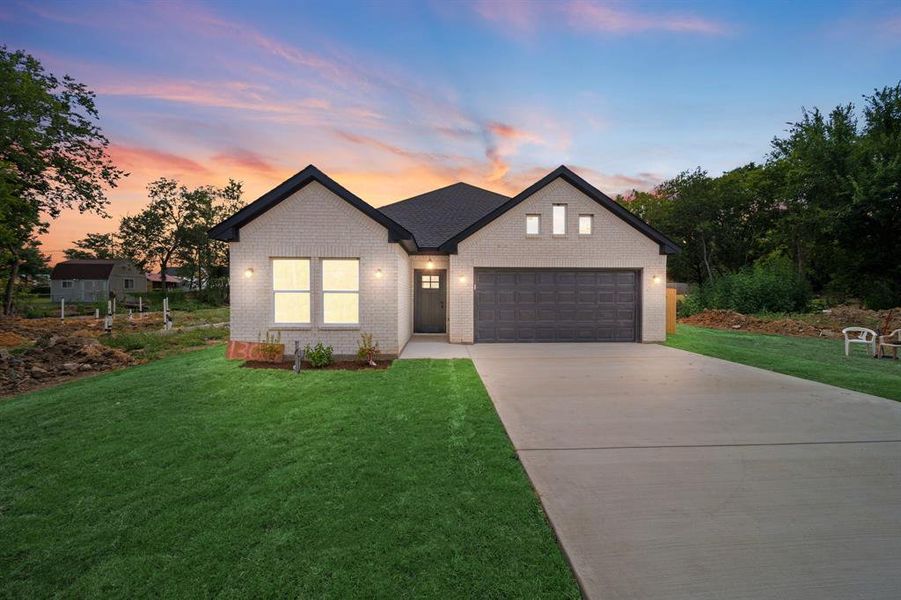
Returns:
point(92, 280)
point(173, 282)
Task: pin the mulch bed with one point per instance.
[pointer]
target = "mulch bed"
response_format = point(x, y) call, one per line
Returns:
point(338, 365)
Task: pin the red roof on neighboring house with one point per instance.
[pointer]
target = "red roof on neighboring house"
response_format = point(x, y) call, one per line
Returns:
point(157, 278)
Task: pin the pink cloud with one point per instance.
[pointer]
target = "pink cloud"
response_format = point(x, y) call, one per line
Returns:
point(522, 16)
point(243, 159)
point(220, 94)
point(595, 16)
point(589, 15)
point(136, 158)
point(892, 25)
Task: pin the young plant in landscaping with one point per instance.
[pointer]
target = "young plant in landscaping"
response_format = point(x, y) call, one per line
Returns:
point(368, 350)
point(271, 347)
point(319, 355)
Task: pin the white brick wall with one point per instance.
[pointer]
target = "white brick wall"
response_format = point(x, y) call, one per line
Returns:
point(404, 298)
point(612, 244)
point(314, 223)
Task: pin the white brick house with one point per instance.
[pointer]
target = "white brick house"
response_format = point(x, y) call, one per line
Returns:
point(558, 262)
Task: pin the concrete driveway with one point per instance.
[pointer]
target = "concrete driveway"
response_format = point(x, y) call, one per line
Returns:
point(667, 474)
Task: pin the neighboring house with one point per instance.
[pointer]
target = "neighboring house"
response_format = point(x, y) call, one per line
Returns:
point(90, 280)
point(559, 261)
point(173, 282)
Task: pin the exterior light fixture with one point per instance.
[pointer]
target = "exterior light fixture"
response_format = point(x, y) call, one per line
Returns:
point(248, 273)
point(430, 264)
point(378, 273)
point(656, 279)
point(462, 278)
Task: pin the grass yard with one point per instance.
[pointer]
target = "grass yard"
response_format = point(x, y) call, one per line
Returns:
point(811, 358)
point(194, 477)
point(152, 345)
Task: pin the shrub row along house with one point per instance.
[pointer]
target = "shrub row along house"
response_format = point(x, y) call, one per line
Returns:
point(558, 262)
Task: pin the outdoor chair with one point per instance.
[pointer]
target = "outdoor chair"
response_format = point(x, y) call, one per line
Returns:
point(892, 340)
point(859, 335)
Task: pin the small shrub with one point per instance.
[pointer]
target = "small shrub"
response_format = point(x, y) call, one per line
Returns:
point(367, 350)
point(319, 355)
point(271, 348)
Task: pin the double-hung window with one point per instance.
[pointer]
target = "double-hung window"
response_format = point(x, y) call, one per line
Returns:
point(340, 291)
point(291, 290)
point(129, 284)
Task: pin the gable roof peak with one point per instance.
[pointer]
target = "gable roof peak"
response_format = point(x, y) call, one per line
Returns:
point(667, 246)
point(228, 230)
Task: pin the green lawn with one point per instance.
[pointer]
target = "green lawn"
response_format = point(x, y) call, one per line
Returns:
point(193, 477)
point(811, 358)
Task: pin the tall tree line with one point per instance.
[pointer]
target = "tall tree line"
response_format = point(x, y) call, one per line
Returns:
point(171, 231)
point(827, 197)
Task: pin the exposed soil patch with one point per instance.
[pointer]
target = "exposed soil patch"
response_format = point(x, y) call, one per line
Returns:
point(827, 324)
point(339, 365)
point(15, 331)
point(37, 353)
point(55, 359)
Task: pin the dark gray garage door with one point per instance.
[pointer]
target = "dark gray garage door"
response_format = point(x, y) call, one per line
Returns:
point(554, 305)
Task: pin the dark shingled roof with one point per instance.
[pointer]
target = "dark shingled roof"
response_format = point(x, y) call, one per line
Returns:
point(83, 269)
point(436, 216)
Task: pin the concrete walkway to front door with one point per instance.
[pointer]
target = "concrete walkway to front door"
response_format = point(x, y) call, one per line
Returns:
point(667, 474)
point(433, 345)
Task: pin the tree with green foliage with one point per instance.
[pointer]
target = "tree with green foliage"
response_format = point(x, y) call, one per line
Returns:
point(94, 245)
point(828, 199)
point(206, 259)
point(53, 156)
point(173, 227)
point(157, 233)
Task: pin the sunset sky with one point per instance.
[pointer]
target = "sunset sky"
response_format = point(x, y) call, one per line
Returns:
point(395, 98)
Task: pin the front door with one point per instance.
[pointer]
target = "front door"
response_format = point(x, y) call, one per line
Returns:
point(429, 299)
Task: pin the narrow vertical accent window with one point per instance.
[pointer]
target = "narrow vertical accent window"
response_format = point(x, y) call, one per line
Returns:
point(341, 291)
point(585, 223)
point(533, 224)
point(291, 290)
point(559, 219)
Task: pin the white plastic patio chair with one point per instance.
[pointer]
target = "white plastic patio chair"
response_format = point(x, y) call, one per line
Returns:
point(860, 335)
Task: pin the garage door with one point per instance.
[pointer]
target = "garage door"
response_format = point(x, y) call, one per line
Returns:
point(555, 305)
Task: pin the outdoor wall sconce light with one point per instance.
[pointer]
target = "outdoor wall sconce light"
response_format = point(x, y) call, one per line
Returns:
point(656, 279)
point(462, 278)
point(378, 273)
point(429, 264)
point(248, 273)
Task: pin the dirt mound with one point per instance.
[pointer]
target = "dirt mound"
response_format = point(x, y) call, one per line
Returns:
point(54, 358)
point(828, 323)
point(728, 319)
point(10, 339)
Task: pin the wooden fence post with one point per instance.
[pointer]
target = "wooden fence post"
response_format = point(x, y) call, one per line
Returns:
point(670, 310)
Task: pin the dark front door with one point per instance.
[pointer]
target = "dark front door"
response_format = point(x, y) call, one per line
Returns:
point(557, 305)
point(429, 299)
